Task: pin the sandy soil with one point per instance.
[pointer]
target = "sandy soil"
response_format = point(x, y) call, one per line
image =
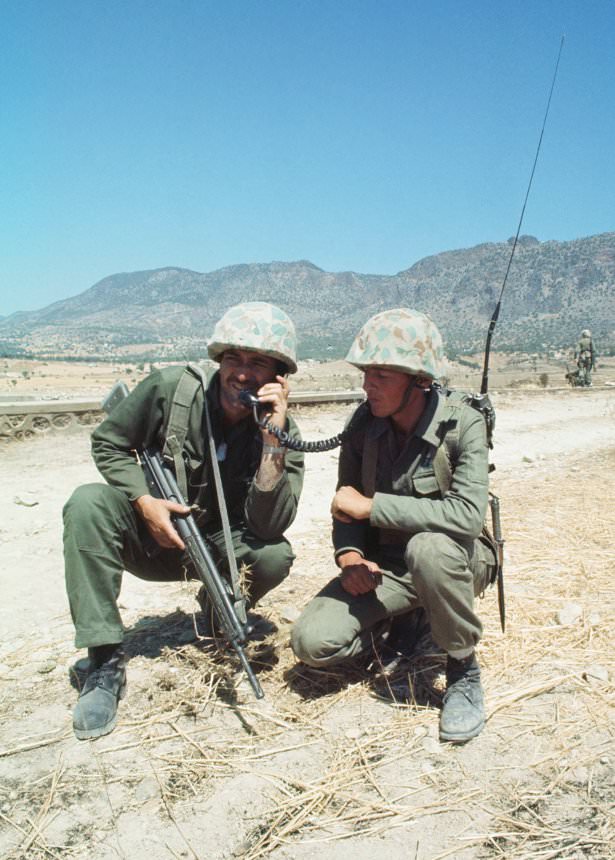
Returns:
point(328, 765)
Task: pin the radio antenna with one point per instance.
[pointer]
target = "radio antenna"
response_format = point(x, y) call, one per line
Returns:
point(485, 380)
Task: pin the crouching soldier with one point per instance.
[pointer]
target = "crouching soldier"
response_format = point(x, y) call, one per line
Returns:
point(109, 528)
point(401, 540)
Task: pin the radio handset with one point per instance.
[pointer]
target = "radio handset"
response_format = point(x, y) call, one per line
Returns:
point(251, 402)
point(248, 399)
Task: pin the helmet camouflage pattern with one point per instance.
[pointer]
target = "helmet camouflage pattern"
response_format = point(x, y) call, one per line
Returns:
point(586, 333)
point(256, 326)
point(400, 339)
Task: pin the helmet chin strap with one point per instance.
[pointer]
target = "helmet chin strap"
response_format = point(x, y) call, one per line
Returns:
point(412, 384)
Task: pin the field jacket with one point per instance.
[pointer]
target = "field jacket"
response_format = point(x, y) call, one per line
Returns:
point(140, 420)
point(406, 497)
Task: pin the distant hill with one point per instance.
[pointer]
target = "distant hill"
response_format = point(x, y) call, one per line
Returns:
point(554, 290)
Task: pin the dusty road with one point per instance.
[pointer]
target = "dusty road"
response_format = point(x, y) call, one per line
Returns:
point(325, 767)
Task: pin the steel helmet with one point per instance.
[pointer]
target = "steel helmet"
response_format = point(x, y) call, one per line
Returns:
point(401, 339)
point(256, 326)
point(586, 333)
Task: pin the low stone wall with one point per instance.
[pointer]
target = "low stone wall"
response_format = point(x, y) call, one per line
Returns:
point(21, 420)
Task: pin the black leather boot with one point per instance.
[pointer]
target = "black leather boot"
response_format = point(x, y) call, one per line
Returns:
point(95, 713)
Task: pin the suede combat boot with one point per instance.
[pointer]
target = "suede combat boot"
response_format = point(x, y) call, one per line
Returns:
point(95, 713)
point(463, 712)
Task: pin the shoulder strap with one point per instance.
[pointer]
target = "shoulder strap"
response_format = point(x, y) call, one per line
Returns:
point(442, 469)
point(446, 451)
point(369, 459)
point(369, 465)
point(177, 425)
point(239, 601)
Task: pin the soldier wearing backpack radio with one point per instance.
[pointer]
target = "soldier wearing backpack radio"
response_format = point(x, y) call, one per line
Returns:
point(408, 514)
point(586, 358)
point(109, 528)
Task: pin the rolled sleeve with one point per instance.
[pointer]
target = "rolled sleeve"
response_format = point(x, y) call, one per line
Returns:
point(268, 513)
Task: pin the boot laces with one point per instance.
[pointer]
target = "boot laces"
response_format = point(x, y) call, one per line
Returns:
point(106, 675)
point(466, 686)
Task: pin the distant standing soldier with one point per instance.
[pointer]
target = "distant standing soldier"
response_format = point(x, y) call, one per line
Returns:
point(586, 358)
point(117, 526)
point(402, 540)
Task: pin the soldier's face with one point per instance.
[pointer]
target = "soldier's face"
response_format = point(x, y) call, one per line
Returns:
point(243, 369)
point(387, 389)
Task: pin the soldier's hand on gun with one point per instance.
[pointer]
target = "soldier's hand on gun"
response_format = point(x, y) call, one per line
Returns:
point(359, 575)
point(349, 504)
point(275, 395)
point(156, 514)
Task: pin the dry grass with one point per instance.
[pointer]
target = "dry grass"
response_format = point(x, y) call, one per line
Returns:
point(331, 761)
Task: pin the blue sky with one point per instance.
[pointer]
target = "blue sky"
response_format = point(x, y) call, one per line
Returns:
point(359, 134)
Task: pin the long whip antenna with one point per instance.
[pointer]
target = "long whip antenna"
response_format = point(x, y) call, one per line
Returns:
point(485, 380)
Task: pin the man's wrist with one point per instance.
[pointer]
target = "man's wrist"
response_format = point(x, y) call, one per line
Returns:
point(346, 559)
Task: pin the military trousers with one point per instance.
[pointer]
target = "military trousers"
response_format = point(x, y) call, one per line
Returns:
point(585, 370)
point(104, 536)
point(434, 571)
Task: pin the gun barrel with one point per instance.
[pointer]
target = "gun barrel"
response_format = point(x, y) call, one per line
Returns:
point(162, 480)
point(235, 632)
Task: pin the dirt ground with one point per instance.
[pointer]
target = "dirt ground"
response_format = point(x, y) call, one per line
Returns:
point(335, 764)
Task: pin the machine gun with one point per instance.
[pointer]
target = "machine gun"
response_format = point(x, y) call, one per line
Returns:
point(163, 485)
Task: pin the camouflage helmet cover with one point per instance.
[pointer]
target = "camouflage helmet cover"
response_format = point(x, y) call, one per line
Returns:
point(256, 326)
point(586, 333)
point(400, 339)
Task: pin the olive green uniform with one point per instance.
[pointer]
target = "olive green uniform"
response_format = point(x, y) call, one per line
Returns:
point(427, 545)
point(586, 359)
point(103, 535)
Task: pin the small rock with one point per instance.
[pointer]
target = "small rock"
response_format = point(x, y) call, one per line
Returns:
point(431, 746)
point(46, 667)
point(597, 673)
point(25, 501)
point(569, 614)
point(354, 732)
point(147, 788)
point(593, 619)
point(604, 759)
point(527, 459)
point(290, 614)
point(579, 776)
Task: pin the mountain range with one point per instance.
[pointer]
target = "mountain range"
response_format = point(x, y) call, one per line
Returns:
point(554, 289)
